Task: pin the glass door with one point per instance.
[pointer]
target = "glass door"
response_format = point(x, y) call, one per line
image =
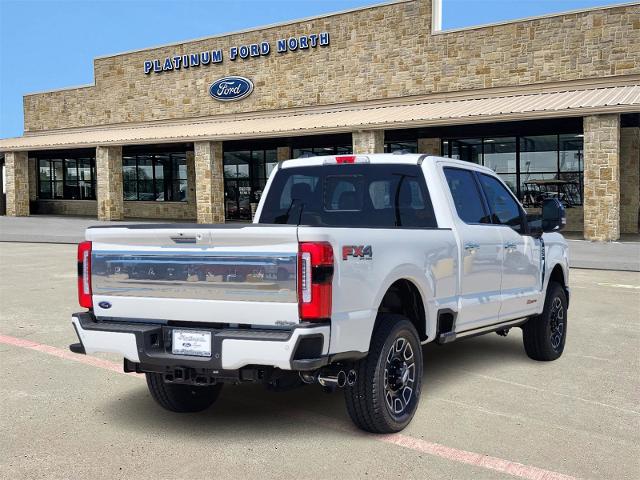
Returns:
point(245, 175)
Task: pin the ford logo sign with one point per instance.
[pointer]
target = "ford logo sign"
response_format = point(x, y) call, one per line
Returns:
point(228, 89)
point(104, 305)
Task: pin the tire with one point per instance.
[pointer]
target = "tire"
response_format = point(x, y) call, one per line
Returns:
point(181, 398)
point(384, 397)
point(544, 335)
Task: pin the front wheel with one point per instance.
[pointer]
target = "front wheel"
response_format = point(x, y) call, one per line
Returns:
point(181, 398)
point(544, 335)
point(387, 390)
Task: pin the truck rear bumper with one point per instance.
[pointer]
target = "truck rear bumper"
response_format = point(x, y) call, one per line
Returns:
point(304, 347)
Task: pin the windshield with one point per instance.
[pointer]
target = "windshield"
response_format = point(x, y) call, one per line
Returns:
point(351, 195)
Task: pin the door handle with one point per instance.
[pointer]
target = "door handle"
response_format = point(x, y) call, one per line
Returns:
point(471, 247)
point(510, 247)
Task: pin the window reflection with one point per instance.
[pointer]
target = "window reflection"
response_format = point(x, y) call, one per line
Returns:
point(68, 176)
point(534, 167)
point(160, 177)
point(245, 175)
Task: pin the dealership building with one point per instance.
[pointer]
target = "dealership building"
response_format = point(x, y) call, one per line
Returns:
point(191, 131)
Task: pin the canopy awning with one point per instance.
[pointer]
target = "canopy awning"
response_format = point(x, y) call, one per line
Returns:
point(574, 102)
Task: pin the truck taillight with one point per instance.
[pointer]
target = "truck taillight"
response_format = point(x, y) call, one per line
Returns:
point(84, 275)
point(315, 274)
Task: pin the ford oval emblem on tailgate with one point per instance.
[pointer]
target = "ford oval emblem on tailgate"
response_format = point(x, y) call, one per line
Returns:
point(104, 305)
point(228, 89)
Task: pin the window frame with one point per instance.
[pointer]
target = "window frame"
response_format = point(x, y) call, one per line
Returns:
point(483, 200)
point(446, 146)
point(63, 159)
point(427, 197)
point(258, 162)
point(155, 163)
point(523, 217)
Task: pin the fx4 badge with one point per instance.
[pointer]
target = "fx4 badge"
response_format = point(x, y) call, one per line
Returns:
point(363, 252)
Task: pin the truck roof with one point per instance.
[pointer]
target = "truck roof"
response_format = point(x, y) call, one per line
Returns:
point(377, 158)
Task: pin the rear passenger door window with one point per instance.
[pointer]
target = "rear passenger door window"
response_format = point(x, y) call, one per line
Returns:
point(466, 196)
point(504, 209)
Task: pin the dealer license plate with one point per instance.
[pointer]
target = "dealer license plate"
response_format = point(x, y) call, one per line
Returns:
point(191, 342)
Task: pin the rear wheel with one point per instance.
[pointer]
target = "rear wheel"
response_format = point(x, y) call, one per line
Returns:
point(387, 390)
point(544, 335)
point(181, 398)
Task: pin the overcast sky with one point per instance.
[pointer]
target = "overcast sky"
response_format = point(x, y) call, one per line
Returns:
point(51, 44)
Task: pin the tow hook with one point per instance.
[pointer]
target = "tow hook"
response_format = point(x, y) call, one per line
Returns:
point(330, 378)
point(503, 332)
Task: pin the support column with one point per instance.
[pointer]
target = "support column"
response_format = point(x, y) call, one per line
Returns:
point(368, 141)
point(17, 183)
point(602, 177)
point(109, 183)
point(209, 182)
point(629, 179)
point(33, 177)
point(430, 146)
point(283, 153)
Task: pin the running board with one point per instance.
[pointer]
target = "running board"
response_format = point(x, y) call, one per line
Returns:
point(449, 337)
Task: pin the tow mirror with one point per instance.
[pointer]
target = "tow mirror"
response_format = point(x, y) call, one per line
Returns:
point(554, 217)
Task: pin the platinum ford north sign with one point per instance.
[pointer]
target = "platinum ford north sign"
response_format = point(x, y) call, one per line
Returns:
point(228, 89)
point(244, 52)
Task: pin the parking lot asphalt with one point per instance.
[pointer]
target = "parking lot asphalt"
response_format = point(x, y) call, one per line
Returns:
point(487, 411)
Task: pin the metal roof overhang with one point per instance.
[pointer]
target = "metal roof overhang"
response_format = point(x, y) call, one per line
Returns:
point(566, 103)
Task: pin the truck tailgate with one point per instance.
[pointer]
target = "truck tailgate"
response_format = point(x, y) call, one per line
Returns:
point(240, 274)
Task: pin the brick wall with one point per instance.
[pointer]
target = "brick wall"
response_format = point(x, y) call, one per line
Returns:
point(380, 52)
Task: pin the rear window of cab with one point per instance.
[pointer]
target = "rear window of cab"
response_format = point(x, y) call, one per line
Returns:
point(350, 195)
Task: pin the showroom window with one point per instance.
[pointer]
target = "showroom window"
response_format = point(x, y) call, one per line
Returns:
point(319, 151)
point(158, 177)
point(401, 147)
point(534, 167)
point(69, 176)
point(245, 176)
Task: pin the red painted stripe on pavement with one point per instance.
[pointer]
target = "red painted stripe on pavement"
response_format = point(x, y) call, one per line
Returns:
point(462, 456)
point(60, 353)
point(435, 449)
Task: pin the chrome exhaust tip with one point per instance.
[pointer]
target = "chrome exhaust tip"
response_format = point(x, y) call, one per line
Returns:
point(338, 380)
point(352, 376)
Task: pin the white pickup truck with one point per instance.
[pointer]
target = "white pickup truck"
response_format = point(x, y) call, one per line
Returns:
point(351, 265)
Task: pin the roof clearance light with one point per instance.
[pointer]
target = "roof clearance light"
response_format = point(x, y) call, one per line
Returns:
point(340, 159)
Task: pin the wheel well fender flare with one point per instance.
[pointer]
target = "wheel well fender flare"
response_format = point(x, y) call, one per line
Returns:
point(416, 278)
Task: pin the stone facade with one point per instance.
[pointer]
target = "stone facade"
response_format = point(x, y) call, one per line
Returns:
point(283, 153)
point(33, 180)
point(169, 210)
point(83, 208)
point(109, 183)
point(376, 54)
point(629, 179)
point(209, 182)
point(17, 183)
point(602, 177)
point(381, 52)
point(368, 141)
point(430, 146)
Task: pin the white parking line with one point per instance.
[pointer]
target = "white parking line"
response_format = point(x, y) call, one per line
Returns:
point(430, 448)
point(618, 285)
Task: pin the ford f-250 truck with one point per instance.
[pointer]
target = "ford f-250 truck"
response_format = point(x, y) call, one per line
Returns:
point(351, 265)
